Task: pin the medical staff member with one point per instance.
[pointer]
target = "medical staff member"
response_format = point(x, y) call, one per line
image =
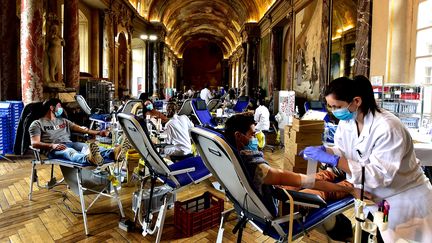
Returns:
point(375, 138)
point(262, 117)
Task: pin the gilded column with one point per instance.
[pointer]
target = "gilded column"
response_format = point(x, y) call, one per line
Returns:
point(72, 61)
point(31, 51)
point(9, 84)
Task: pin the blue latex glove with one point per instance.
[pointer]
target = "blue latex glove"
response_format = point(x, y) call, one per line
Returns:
point(318, 153)
point(322, 147)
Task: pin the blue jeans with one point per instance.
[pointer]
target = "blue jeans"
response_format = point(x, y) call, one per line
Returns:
point(74, 154)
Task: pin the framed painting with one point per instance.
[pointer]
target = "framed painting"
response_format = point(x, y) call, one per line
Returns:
point(308, 51)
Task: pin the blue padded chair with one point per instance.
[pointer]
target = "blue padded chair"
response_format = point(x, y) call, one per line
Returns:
point(224, 163)
point(176, 175)
point(242, 104)
point(73, 173)
point(317, 106)
point(203, 115)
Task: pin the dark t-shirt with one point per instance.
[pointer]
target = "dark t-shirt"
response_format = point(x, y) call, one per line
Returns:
point(257, 169)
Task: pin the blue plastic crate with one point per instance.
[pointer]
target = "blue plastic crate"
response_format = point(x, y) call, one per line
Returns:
point(410, 122)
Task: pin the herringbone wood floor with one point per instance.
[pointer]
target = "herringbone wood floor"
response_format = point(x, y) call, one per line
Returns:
point(48, 219)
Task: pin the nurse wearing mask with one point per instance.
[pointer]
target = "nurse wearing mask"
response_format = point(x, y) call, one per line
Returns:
point(375, 138)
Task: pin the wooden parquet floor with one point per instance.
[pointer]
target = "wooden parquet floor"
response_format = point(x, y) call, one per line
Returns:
point(49, 217)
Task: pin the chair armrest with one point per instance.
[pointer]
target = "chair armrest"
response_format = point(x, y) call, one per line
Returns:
point(34, 149)
point(301, 198)
point(182, 171)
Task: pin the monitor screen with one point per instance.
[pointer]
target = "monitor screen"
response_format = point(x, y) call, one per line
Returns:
point(316, 105)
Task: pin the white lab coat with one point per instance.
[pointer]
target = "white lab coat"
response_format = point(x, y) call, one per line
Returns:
point(262, 118)
point(391, 173)
point(177, 130)
point(205, 94)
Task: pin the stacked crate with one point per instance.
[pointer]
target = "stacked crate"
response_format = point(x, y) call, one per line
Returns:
point(301, 134)
point(6, 136)
point(17, 107)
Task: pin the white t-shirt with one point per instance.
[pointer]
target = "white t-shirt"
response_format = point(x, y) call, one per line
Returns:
point(177, 130)
point(206, 95)
point(262, 117)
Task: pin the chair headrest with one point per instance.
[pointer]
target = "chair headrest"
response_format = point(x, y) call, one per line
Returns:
point(200, 105)
point(243, 98)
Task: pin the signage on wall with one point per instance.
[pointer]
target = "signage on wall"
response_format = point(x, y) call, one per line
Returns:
point(377, 80)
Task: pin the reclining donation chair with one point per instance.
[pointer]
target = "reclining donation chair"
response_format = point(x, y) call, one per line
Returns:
point(203, 115)
point(95, 115)
point(213, 104)
point(176, 176)
point(224, 163)
point(127, 108)
point(242, 104)
point(186, 108)
point(77, 176)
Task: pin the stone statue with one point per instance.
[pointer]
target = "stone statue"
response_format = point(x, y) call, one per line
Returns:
point(54, 47)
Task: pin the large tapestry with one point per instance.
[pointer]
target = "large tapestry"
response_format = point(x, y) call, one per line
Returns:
point(264, 68)
point(307, 50)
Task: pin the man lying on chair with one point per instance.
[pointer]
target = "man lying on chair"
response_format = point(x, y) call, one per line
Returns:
point(51, 133)
point(240, 133)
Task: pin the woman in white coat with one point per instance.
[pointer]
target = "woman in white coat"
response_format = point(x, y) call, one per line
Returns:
point(375, 138)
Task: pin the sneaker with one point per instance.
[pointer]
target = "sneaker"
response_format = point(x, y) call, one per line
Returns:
point(120, 151)
point(94, 156)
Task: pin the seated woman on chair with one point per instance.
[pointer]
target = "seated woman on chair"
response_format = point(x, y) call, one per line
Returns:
point(240, 133)
point(51, 133)
point(177, 130)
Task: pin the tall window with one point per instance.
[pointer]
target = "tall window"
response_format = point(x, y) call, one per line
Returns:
point(83, 32)
point(423, 65)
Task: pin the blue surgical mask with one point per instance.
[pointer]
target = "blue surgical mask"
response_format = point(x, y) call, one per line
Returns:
point(252, 145)
point(149, 107)
point(344, 114)
point(58, 112)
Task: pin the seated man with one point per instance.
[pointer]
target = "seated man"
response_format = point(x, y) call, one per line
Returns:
point(240, 133)
point(153, 113)
point(51, 133)
point(177, 130)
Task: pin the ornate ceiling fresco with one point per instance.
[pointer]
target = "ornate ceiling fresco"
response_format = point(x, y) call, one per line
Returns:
point(218, 21)
point(344, 17)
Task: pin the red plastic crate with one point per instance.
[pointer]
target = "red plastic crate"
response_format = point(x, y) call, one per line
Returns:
point(410, 96)
point(198, 214)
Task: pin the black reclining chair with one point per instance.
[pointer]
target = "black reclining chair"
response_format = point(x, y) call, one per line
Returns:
point(175, 176)
point(224, 163)
point(74, 174)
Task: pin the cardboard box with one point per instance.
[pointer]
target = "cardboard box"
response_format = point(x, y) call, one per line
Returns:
point(292, 161)
point(311, 138)
point(294, 148)
point(307, 125)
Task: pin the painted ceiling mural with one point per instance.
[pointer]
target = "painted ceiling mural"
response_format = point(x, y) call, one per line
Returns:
point(218, 21)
